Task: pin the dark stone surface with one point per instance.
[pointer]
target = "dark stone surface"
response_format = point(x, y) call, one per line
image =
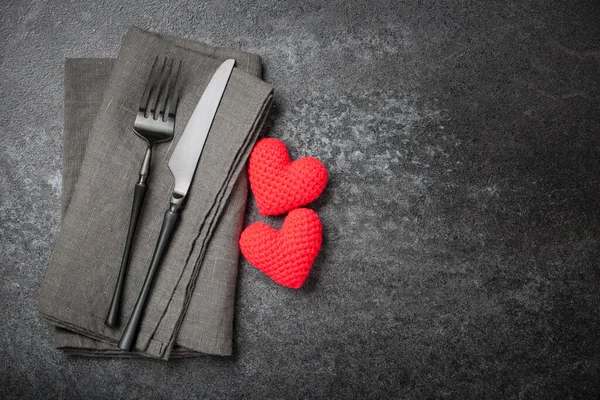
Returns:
point(462, 236)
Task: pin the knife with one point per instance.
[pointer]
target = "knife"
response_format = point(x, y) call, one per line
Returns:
point(183, 163)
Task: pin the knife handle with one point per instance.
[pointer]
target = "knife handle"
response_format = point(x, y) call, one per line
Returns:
point(168, 227)
point(112, 319)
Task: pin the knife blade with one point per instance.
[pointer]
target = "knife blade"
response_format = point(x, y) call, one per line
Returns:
point(187, 153)
point(183, 163)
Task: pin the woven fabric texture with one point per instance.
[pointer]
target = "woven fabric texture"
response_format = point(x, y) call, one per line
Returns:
point(285, 255)
point(190, 309)
point(280, 185)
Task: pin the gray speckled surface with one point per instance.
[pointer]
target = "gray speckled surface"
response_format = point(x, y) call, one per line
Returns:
point(461, 242)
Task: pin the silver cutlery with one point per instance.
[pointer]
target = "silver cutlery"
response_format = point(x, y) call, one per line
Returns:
point(183, 163)
point(155, 123)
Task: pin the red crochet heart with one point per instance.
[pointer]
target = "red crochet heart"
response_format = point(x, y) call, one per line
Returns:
point(280, 185)
point(285, 255)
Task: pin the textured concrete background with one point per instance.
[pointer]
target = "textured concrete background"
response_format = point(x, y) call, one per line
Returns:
point(462, 234)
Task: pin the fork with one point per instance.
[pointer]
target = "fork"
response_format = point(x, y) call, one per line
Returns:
point(155, 123)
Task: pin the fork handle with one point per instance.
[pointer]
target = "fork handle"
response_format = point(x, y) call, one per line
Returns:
point(114, 312)
point(168, 227)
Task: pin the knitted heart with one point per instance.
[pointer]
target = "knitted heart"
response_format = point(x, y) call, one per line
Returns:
point(280, 185)
point(285, 255)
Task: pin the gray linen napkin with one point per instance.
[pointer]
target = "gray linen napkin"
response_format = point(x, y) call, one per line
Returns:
point(190, 310)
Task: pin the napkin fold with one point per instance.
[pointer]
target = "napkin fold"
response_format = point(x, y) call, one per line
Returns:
point(190, 309)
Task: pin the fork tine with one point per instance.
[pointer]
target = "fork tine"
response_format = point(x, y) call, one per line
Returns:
point(162, 91)
point(146, 95)
point(155, 90)
point(171, 100)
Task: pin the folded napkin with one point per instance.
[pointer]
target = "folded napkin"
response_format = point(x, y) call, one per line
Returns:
point(190, 309)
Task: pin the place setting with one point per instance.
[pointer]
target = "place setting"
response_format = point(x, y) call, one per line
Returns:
point(161, 148)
